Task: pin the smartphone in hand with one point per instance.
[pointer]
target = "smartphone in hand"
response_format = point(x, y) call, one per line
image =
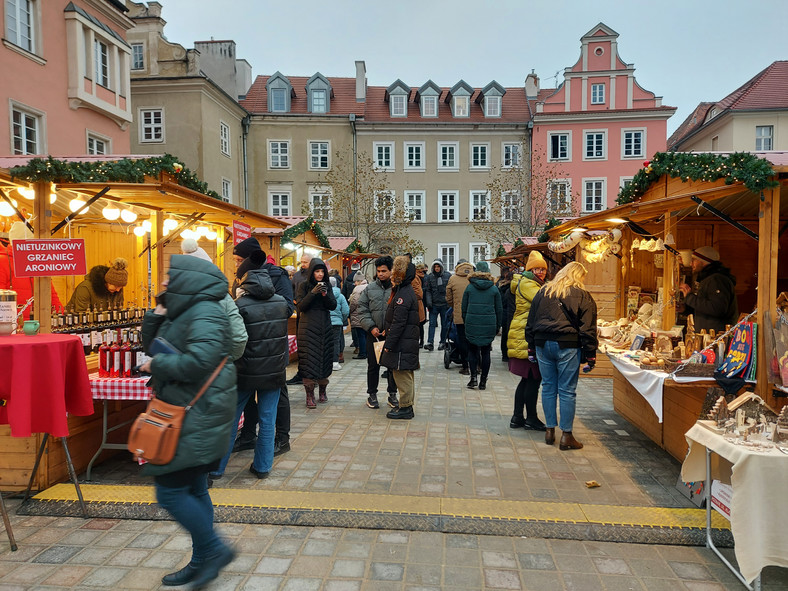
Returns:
point(160, 298)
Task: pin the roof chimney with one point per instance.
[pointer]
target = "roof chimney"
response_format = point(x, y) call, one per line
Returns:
point(531, 85)
point(361, 81)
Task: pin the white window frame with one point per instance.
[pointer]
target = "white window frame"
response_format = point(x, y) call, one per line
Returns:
point(224, 138)
point(380, 163)
point(407, 166)
point(102, 73)
point(492, 106)
point(325, 206)
point(461, 106)
point(315, 93)
point(595, 132)
point(152, 126)
point(508, 205)
point(433, 100)
point(624, 181)
point(598, 93)
point(282, 92)
point(643, 149)
point(227, 190)
point(385, 214)
point(93, 137)
point(761, 138)
point(448, 261)
point(17, 40)
point(455, 166)
point(473, 206)
point(453, 209)
point(420, 209)
point(550, 136)
point(279, 160)
point(280, 209)
point(398, 105)
point(508, 146)
point(40, 130)
point(583, 203)
point(472, 246)
point(567, 183)
point(137, 57)
point(486, 150)
point(311, 144)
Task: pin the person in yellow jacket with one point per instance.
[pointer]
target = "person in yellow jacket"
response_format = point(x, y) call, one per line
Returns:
point(524, 288)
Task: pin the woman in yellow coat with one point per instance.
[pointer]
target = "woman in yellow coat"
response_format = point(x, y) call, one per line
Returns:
point(524, 288)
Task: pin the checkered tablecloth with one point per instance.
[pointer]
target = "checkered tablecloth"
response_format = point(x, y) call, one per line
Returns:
point(292, 347)
point(120, 388)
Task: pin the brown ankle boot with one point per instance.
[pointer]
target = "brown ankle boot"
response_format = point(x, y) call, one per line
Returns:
point(323, 396)
point(549, 436)
point(310, 396)
point(569, 442)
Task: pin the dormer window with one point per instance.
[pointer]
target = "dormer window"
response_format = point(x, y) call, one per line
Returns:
point(319, 94)
point(398, 106)
point(461, 106)
point(318, 101)
point(492, 106)
point(397, 96)
point(278, 100)
point(280, 94)
point(460, 97)
point(491, 98)
point(427, 97)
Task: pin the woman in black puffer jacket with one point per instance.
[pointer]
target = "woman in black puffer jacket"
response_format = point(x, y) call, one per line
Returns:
point(315, 336)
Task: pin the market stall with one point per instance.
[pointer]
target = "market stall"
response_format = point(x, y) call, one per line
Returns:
point(136, 209)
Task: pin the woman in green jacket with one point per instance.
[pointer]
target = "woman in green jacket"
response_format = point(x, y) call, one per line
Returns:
point(482, 313)
point(524, 288)
point(191, 318)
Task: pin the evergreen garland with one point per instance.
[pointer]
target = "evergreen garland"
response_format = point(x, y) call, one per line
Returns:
point(551, 223)
point(125, 170)
point(756, 173)
point(304, 226)
point(355, 245)
point(501, 251)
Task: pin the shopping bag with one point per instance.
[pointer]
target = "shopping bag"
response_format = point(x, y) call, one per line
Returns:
point(378, 345)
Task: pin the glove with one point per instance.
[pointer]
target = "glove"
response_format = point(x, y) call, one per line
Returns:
point(590, 363)
point(531, 355)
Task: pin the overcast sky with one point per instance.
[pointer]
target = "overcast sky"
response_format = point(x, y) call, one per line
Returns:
point(686, 51)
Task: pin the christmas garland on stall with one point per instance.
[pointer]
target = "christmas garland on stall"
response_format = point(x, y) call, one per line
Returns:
point(551, 223)
point(125, 170)
point(304, 226)
point(756, 173)
point(355, 245)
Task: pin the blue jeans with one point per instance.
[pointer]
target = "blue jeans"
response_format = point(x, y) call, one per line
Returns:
point(266, 413)
point(361, 341)
point(559, 369)
point(191, 506)
point(434, 313)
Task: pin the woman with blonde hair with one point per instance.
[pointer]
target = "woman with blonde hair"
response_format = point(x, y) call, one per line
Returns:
point(561, 333)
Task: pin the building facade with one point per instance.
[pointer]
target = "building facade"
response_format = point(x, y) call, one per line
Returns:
point(65, 69)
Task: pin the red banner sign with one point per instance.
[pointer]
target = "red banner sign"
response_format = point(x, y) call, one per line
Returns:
point(45, 258)
point(241, 232)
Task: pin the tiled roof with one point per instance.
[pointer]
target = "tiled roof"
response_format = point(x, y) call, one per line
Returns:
point(340, 242)
point(343, 99)
point(690, 124)
point(766, 90)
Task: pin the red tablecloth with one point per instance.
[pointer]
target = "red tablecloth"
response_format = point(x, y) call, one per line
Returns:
point(43, 377)
point(292, 347)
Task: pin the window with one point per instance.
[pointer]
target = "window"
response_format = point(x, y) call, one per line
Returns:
point(511, 155)
point(480, 206)
point(399, 106)
point(764, 135)
point(597, 94)
point(26, 132)
point(19, 24)
point(227, 190)
point(151, 125)
point(414, 156)
point(559, 198)
point(318, 155)
point(633, 143)
point(385, 206)
point(279, 203)
point(429, 106)
point(448, 254)
point(384, 156)
point(461, 106)
point(593, 195)
point(101, 63)
point(137, 56)
point(595, 145)
point(279, 154)
point(448, 207)
point(224, 138)
point(320, 206)
point(559, 146)
point(625, 181)
point(278, 100)
point(478, 251)
point(492, 106)
point(447, 156)
point(479, 156)
point(318, 101)
point(414, 206)
point(510, 206)
point(97, 145)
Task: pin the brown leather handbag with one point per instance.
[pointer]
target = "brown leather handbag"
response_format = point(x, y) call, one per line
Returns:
point(155, 433)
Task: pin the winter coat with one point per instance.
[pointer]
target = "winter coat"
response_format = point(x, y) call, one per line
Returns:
point(372, 305)
point(524, 287)
point(435, 286)
point(419, 291)
point(456, 287)
point(93, 293)
point(299, 277)
point(265, 314)
point(23, 286)
point(315, 337)
point(196, 324)
point(714, 303)
point(348, 284)
point(238, 336)
point(355, 313)
point(548, 322)
point(281, 281)
point(401, 348)
point(342, 311)
point(481, 309)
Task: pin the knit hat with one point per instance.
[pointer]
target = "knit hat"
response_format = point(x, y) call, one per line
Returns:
point(535, 261)
point(422, 267)
point(246, 247)
point(355, 266)
point(253, 262)
point(332, 280)
point(482, 267)
point(706, 254)
point(117, 274)
point(189, 247)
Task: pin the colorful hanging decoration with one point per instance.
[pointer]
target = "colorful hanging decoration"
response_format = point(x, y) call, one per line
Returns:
point(566, 243)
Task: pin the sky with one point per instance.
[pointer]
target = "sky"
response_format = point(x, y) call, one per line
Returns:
point(685, 51)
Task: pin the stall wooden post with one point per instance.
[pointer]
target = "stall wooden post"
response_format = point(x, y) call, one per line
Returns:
point(156, 254)
point(621, 283)
point(221, 248)
point(42, 286)
point(768, 239)
point(669, 278)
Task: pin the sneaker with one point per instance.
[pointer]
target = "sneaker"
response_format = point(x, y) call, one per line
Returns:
point(404, 412)
point(295, 380)
point(441, 346)
point(429, 347)
point(257, 473)
point(336, 366)
point(393, 402)
point(385, 375)
point(372, 401)
point(281, 447)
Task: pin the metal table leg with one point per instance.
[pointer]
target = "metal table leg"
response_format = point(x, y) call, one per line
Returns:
point(7, 523)
point(105, 431)
point(69, 464)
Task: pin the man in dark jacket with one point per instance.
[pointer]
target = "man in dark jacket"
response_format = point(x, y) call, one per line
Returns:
point(714, 302)
point(372, 311)
point(401, 348)
point(261, 369)
point(435, 302)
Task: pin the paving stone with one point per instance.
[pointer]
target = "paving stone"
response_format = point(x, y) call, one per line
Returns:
point(582, 582)
point(536, 561)
point(384, 571)
point(57, 554)
point(690, 570)
point(611, 566)
point(348, 568)
point(273, 566)
point(502, 579)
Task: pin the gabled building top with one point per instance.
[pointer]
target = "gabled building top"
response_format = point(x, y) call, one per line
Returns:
point(343, 95)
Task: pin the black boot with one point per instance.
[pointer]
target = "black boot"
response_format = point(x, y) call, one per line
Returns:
point(517, 420)
point(531, 396)
point(310, 396)
point(186, 575)
point(472, 382)
point(483, 382)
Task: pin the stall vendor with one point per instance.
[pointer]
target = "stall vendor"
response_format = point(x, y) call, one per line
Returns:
point(714, 303)
point(102, 288)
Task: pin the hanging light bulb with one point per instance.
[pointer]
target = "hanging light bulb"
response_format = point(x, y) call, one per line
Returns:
point(201, 230)
point(6, 210)
point(111, 212)
point(186, 234)
point(139, 231)
point(147, 225)
point(52, 197)
point(165, 231)
point(170, 224)
point(669, 239)
point(128, 216)
point(26, 192)
point(211, 235)
point(75, 205)
point(636, 244)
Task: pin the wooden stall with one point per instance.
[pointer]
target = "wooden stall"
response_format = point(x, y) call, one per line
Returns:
point(746, 226)
point(171, 209)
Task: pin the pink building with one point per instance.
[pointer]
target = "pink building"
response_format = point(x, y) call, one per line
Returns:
point(595, 130)
point(65, 77)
